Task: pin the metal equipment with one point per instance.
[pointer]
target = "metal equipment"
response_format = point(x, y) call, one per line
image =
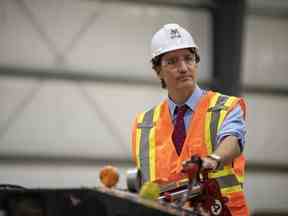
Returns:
point(194, 195)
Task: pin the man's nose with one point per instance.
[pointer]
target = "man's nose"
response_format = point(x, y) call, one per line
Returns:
point(182, 66)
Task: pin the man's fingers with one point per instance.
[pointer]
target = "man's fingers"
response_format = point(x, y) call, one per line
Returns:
point(208, 163)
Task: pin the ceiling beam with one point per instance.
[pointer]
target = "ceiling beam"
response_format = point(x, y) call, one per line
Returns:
point(40, 160)
point(191, 4)
point(82, 76)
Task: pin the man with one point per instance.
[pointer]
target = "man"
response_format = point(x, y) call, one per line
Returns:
point(190, 121)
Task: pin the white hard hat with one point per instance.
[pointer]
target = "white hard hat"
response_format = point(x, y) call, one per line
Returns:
point(171, 37)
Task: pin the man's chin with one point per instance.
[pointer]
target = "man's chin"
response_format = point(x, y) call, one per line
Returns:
point(187, 84)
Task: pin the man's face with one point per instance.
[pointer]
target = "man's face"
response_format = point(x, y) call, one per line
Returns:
point(178, 69)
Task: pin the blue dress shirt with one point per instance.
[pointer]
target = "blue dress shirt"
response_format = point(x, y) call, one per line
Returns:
point(233, 124)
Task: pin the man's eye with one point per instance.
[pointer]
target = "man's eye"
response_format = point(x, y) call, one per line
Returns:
point(171, 61)
point(190, 59)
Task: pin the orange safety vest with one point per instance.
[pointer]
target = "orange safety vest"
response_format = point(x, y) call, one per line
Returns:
point(156, 157)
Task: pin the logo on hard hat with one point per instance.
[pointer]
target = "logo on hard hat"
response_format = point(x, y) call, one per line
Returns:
point(174, 33)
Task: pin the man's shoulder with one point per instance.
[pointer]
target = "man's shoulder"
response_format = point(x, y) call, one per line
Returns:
point(228, 102)
point(223, 95)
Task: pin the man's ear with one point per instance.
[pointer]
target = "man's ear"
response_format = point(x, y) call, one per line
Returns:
point(158, 72)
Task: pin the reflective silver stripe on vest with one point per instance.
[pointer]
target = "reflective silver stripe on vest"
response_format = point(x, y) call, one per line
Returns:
point(145, 126)
point(215, 119)
point(227, 181)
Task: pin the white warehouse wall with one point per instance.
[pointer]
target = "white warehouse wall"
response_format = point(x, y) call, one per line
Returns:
point(93, 119)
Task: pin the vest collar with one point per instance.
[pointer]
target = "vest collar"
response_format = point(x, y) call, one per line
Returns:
point(191, 102)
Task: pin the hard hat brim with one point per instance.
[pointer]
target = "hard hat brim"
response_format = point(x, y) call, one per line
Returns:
point(173, 49)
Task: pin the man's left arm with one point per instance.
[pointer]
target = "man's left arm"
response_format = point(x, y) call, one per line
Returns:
point(230, 139)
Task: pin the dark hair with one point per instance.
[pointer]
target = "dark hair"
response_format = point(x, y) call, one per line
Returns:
point(156, 63)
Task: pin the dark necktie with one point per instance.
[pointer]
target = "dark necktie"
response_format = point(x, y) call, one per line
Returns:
point(179, 132)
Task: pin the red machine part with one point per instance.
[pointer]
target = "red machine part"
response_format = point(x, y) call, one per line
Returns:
point(210, 199)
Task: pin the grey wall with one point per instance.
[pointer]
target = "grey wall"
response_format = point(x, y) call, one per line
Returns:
point(265, 51)
point(47, 118)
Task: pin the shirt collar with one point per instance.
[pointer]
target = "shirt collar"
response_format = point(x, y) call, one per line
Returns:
point(191, 102)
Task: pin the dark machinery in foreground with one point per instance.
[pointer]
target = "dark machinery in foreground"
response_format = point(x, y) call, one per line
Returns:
point(197, 195)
